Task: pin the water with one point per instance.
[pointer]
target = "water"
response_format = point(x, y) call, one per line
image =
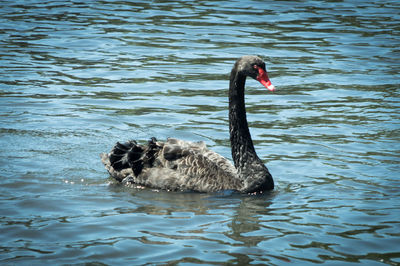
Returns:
point(75, 77)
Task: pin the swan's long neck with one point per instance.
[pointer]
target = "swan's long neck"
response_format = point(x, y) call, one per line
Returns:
point(242, 145)
point(250, 168)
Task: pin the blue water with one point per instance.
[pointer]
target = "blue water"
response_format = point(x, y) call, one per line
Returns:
point(76, 77)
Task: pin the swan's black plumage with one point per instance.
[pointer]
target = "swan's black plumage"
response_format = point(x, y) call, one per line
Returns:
point(183, 165)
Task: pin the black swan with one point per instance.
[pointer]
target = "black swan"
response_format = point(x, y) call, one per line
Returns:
point(190, 166)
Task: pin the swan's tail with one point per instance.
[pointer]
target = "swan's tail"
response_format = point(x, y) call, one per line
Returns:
point(129, 158)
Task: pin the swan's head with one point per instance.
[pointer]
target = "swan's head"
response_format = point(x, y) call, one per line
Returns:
point(254, 66)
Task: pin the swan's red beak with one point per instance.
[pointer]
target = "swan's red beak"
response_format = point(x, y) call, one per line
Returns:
point(263, 78)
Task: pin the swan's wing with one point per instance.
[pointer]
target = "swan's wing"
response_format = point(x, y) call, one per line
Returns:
point(198, 168)
point(129, 159)
point(172, 165)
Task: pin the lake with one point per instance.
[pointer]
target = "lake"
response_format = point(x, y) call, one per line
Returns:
point(78, 76)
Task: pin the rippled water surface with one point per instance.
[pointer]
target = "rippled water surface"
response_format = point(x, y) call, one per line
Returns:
point(75, 77)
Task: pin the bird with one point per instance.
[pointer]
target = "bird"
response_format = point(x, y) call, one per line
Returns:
point(180, 165)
